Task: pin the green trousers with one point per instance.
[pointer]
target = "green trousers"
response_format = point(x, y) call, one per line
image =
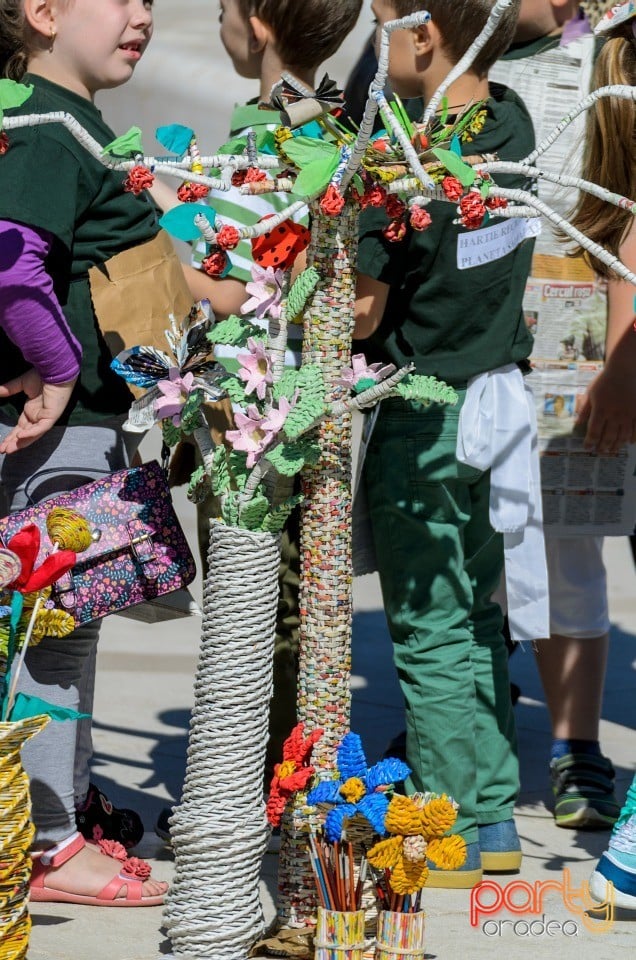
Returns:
point(439, 561)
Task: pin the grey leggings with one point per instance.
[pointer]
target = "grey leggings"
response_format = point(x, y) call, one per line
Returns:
point(61, 671)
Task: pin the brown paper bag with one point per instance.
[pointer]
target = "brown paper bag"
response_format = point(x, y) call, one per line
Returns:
point(135, 292)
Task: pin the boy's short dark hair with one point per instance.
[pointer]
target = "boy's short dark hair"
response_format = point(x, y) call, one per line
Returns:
point(460, 23)
point(307, 32)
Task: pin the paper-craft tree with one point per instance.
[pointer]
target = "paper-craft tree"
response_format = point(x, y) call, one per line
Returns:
point(288, 422)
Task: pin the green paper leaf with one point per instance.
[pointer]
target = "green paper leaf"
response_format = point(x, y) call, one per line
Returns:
point(443, 114)
point(236, 145)
point(254, 512)
point(456, 146)
point(220, 473)
point(484, 189)
point(179, 222)
point(277, 518)
point(235, 332)
point(128, 145)
point(315, 177)
point(287, 385)
point(229, 509)
point(199, 486)
point(290, 458)
point(175, 137)
point(310, 404)
point(425, 390)
point(455, 166)
point(300, 292)
point(27, 706)
point(266, 142)
point(303, 151)
point(235, 389)
point(13, 94)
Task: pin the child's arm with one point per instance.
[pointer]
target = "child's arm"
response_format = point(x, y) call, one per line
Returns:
point(226, 296)
point(371, 298)
point(33, 320)
point(30, 312)
point(610, 402)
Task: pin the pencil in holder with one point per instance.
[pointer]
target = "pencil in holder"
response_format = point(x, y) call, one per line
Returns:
point(400, 936)
point(339, 935)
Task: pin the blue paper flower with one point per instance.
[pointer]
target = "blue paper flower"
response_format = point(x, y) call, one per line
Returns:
point(359, 789)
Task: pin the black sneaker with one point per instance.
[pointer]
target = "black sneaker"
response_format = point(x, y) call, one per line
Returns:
point(583, 787)
point(97, 819)
point(162, 826)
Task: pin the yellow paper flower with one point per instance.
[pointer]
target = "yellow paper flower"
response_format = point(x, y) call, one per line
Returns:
point(68, 529)
point(51, 623)
point(418, 824)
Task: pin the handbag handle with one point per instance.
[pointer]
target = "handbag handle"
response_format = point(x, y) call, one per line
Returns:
point(89, 474)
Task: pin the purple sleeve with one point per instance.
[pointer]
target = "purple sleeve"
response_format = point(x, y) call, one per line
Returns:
point(30, 313)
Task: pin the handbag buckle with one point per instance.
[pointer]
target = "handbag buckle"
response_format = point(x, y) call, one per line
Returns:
point(64, 590)
point(143, 548)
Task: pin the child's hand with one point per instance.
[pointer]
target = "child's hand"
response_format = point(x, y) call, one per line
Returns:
point(609, 408)
point(46, 404)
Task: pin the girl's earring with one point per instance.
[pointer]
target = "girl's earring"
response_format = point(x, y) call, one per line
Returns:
point(52, 37)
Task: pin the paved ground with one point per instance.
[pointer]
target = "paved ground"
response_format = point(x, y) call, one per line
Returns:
point(145, 672)
point(144, 693)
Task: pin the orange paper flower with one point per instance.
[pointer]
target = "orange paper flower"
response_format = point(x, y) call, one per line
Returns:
point(293, 774)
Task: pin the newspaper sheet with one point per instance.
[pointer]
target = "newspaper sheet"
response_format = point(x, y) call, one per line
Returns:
point(565, 309)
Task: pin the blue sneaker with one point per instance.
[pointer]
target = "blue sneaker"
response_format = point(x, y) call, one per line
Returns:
point(465, 878)
point(617, 866)
point(500, 847)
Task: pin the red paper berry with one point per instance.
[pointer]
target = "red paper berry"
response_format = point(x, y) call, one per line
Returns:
point(139, 179)
point(228, 237)
point(473, 210)
point(191, 192)
point(452, 188)
point(420, 218)
point(332, 202)
point(214, 264)
point(4, 143)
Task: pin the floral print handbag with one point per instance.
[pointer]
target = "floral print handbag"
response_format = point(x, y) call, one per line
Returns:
point(139, 551)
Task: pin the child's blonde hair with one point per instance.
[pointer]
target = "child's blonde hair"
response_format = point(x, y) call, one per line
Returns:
point(306, 32)
point(461, 23)
point(610, 153)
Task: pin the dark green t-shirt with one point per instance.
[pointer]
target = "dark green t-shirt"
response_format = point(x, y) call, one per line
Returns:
point(452, 323)
point(48, 180)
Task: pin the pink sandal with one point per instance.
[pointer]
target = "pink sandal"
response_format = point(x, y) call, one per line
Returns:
point(132, 875)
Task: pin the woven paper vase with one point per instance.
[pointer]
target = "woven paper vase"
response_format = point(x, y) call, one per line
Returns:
point(339, 935)
point(16, 834)
point(219, 831)
point(400, 936)
point(324, 697)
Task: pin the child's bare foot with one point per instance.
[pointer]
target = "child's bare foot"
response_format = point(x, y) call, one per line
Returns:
point(86, 874)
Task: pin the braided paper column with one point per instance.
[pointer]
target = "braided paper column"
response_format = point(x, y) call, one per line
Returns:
point(16, 834)
point(324, 698)
point(219, 831)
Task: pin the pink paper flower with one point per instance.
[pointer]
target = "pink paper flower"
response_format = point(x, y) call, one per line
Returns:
point(275, 419)
point(176, 391)
point(256, 368)
point(265, 290)
point(252, 435)
point(360, 371)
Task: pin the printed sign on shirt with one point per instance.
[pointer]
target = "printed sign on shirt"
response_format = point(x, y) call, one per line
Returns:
point(477, 247)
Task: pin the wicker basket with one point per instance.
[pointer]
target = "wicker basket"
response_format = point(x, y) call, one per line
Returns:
point(16, 834)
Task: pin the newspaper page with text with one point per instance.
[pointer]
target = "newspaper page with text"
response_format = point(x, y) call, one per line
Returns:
point(565, 309)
